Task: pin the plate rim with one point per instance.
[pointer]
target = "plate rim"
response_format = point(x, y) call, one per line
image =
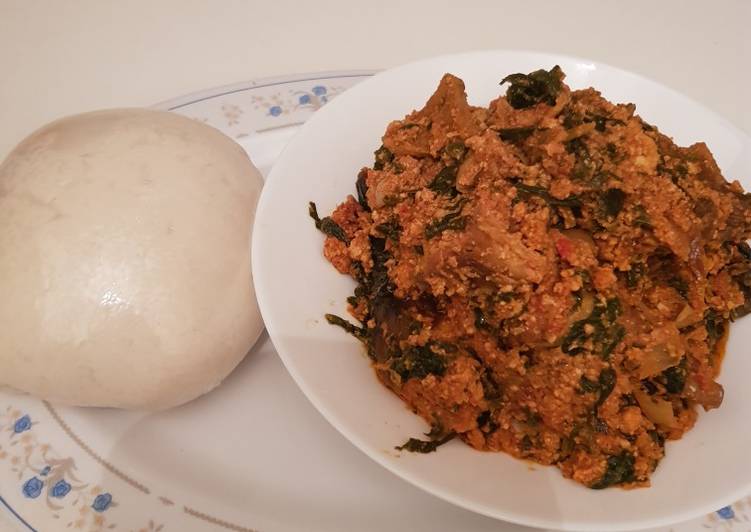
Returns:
point(194, 97)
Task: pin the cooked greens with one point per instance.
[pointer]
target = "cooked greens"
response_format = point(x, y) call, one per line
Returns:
point(540, 86)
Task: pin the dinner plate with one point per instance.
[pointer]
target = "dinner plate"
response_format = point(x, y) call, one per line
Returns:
point(296, 286)
point(253, 455)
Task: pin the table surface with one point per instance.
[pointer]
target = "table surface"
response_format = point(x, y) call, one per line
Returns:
point(60, 58)
point(65, 57)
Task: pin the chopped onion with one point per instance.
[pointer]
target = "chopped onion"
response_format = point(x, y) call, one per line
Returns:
point(657, 360)
point(687, 316)
point(585, 308)
point(586, 305)
point(658, 411)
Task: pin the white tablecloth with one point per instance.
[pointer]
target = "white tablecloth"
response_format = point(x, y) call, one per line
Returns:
point(58, 58)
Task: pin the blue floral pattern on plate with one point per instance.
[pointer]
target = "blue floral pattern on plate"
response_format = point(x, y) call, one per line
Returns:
point(47, 481)
point(279, 104)
point(60, 489)
point(22, 424)
point(32, 488)
point(102, 502)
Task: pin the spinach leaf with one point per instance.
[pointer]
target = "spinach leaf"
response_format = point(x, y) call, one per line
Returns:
point(646, 126)
point(515, 134)
point(603, 386)
point(743, 310)
point(649, 386)
point(606, 381)
point(455, 150)
point(452, 221)
point(598, 425)
point(601, 121)
point(620, 469)
point(634, 274)
point(612, 150)
point(612, 338)
point(600, 326)
point(326, 225)
point(628, 399)
point(414, 445)
point(642, 218)
point(418, 363)
point(486, 423)
point(540, 192)
point(391, 229)
point(361, 333)
point(675, 377)
point(612, 309)
point(584, 166)
point(570, 118)
point(657, 437)
point(376, 289)
point(715, 325)
point(445, 182)
point(490, 388)
point(680, 285)
point(481, 321)
point(578, 299)
point(533, 418)
point(576, 336)
point(540, 86)
point(745, 250)
point(362, 189)
point(443, 346)
point(379, 283)
point(383, 156)
point(588, 386)
point(612, 201)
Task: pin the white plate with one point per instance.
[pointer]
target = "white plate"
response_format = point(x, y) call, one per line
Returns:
point(296, 286)
point(253, 455)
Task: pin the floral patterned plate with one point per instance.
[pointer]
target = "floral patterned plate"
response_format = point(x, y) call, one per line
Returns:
point(253, 455)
